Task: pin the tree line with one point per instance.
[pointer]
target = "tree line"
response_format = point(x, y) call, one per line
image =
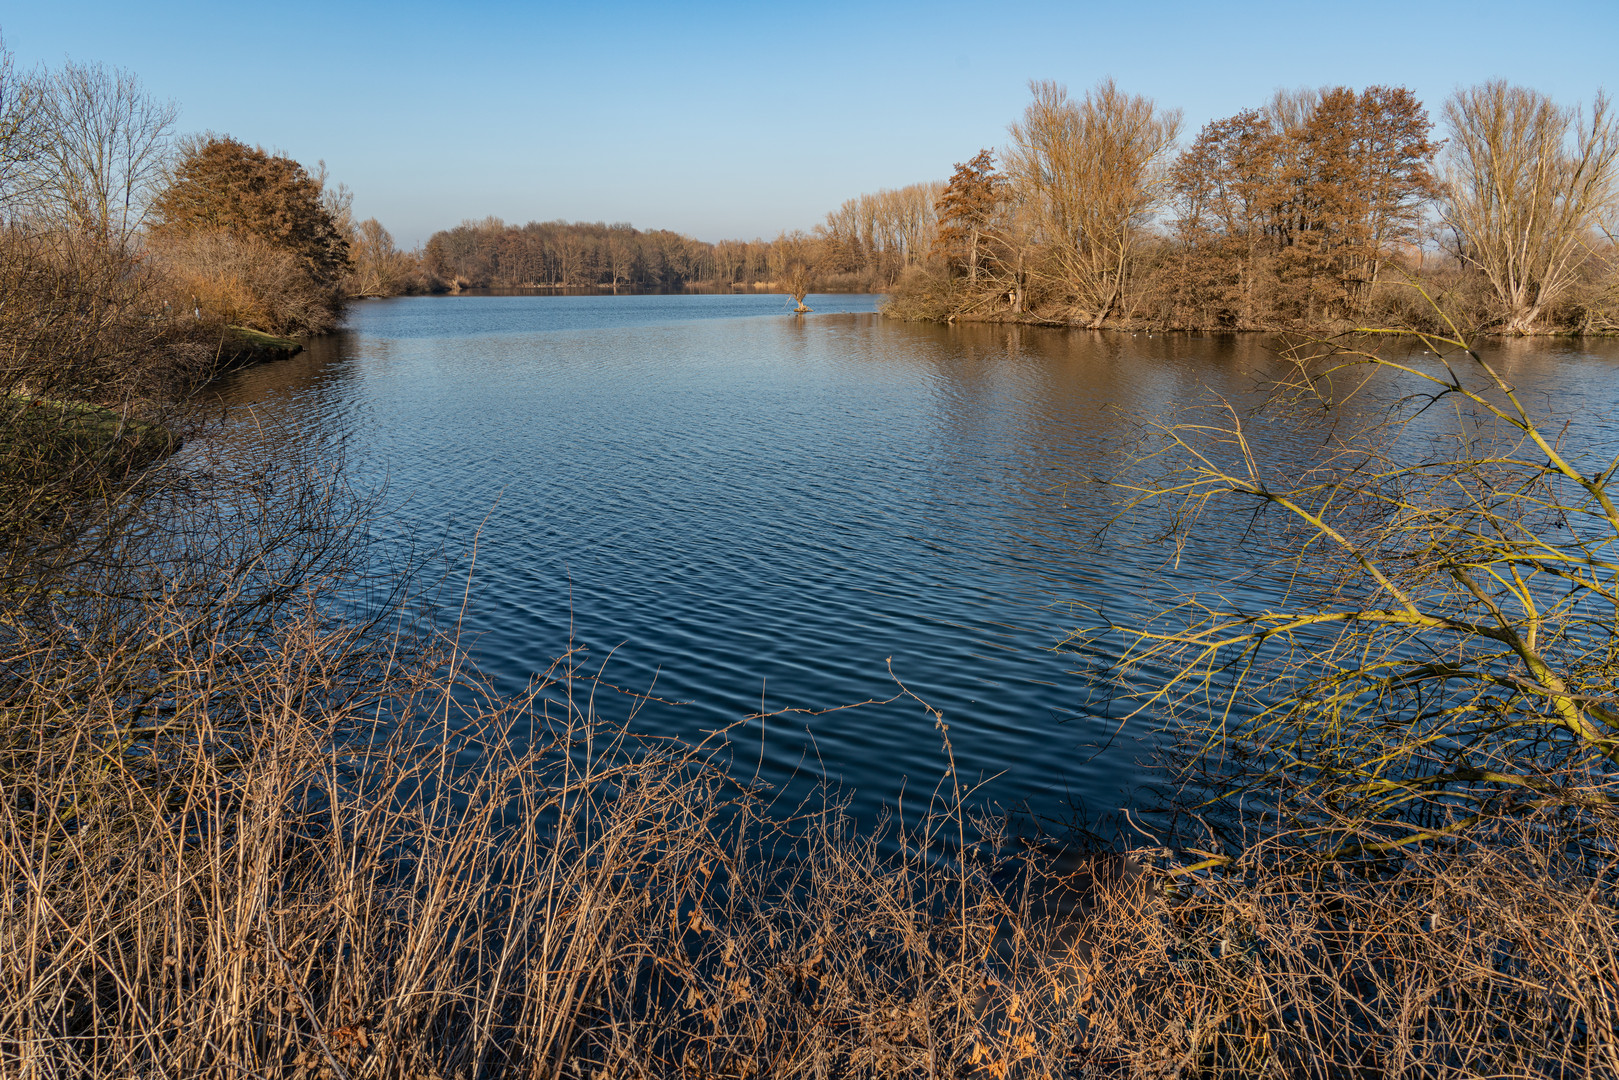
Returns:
point(581, 255)
point(1318, 208)
point(867, 243)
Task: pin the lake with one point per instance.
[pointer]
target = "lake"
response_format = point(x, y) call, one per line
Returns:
point(736, 510)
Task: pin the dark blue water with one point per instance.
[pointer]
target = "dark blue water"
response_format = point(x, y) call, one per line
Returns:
point(753, 511)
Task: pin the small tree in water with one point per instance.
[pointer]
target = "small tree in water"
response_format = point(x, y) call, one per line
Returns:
point(797, 281)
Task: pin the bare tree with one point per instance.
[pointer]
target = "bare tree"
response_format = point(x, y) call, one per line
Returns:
point(109, 141)
point(1289, 110)
point(620, 253)
point(21, 134)
point(380, 268)
point(1522, 198)
point(880, 234)
point(337, 200)
point(798, 279)
point(795, 260)
point(1092, 171)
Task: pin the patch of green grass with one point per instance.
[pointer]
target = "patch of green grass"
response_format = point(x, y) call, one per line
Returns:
point(46, 433)
point(243, 346)
point(261, 340)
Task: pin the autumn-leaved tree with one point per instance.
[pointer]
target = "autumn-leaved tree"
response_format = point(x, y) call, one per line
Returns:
point(966, 210)
point(1292, 212)
point(1223, 188)
point(254, 238)
point(225, 185)
point(1356, 177)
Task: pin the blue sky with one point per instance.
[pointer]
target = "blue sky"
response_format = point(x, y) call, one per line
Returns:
point(738, 120)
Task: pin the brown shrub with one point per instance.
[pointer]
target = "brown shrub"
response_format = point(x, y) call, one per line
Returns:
point(92, 359)
point(81, 319)
point(222, 184)
point(1491, 956)
point(241, 280)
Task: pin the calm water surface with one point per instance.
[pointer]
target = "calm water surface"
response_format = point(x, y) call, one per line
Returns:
point(746, 508)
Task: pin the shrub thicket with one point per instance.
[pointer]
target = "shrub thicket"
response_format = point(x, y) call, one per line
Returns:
point(248, 234)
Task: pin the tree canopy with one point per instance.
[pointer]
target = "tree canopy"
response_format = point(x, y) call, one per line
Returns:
point(224, 185)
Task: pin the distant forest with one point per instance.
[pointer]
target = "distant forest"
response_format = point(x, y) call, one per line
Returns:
point(867, 243)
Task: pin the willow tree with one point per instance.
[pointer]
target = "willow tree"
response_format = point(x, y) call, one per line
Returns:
point(1439, 654)
point(1527, 185)
point(1092, 172)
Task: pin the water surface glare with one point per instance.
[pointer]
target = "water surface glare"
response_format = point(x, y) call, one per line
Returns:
point(745, 507)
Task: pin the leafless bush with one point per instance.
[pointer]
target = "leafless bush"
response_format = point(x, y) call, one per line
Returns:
point(1491, 956)
point(927, 295)
point(1594, 302)
point(92, 362)
point(82, 319)
point(1392, 842)
point(1461, 294)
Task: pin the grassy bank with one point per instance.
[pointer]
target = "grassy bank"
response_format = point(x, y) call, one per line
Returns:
point(40, 432)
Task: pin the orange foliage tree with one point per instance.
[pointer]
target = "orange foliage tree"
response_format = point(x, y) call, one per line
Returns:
point(223, 185)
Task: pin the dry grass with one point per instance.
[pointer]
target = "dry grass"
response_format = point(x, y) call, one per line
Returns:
point(244, 281)
point(512, 887)
point(491, 888)
point(1496, 956)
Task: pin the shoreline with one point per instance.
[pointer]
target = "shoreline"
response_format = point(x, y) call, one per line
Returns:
point(1142, 326)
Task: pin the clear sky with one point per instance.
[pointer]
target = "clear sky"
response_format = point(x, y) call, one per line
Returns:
point(738, 120)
